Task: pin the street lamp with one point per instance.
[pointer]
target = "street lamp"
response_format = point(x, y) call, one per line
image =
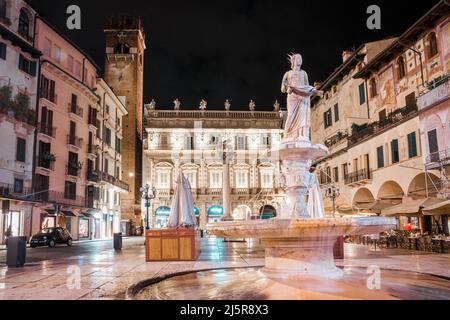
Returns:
point(147, 197)
point(332, 193)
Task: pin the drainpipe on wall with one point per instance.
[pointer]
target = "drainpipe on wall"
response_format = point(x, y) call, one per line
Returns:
point(36, 123)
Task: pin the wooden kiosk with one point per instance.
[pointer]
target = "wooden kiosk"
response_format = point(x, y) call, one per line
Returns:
point(174, 244)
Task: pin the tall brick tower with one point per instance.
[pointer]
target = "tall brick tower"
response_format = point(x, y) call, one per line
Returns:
point(124, 72)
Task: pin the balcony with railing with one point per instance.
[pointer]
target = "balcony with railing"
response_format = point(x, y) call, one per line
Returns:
point(73, 170)
point(47, 129)
point(241, 191)
point(67, 199)
point(93, 148)
point(105, 177)
point(12, 191)
point(215, 191)
point(46, 161)
point(75, 109)
point(163, 192)
point(75, 141)
point(93, 175)
point(358, 177)
point(367, 131)
point(336, 138)
point(52, 98)
point(438, 91)
point(438, 160)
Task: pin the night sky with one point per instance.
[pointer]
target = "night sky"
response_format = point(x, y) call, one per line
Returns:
point(234, 49)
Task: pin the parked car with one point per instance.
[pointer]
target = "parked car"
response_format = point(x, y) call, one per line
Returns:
point(50, 237)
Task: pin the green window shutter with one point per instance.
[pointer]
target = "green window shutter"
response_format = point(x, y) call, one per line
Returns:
point(412, 145)
point(362, 94)
point(380, 157)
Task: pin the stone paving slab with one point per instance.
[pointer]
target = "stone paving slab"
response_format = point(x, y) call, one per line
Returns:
point(106, 274)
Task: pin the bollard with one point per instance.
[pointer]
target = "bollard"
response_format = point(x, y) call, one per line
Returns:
point(16, 251)
point(118, 241)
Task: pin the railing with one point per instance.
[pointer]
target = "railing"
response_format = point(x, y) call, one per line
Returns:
point(215, 191)
point(93, 175)
point(190, 114)
point(13, 192)
point(358, 176)
point(391, 120)
point(92, 121)
point(438, 91)
point(75, 110)
point(163, 192)
point(74, 141)
point(46, 162)
point(241, 191)
point(47, 129)
point(72, 170)
point(114, 181)
point(437, 159)
point(336, 138)
point(58, 197)
point(51, 98)
point(92, 148)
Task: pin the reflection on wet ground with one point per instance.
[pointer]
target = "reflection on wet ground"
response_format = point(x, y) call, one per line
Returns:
point(251, 284)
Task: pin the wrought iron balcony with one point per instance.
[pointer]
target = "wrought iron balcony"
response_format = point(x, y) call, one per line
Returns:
point(47, 129)
point(74, 141)
point(12, 191)
point(74, 109)
point(438, 160)
point(46, 161)
point(73, 170)
point(359, 176)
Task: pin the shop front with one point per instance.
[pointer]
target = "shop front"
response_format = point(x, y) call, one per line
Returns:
point(215, 213)
point(84, 228)
point(161, 217)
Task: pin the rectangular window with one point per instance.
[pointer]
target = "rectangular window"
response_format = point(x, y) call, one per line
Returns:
point(410, 99)
point(108, 136)
point(70, 190)
point(362, 93)
point(380, 157)
point(412, 145)
point(163, 180)
point(382, 115)
point(240, 143)
point(73, 164)
point(47, 47)
point(336, 112)
point(70, 63)
point(21, 150)
point(241, 180)
point(267, 180)
point(48, 89)
point(336, 174)
point(395, 151)
point(265, 140)
point(327, 119)
point(118, 145)
point(3, 9)
point(57, 53)
point(18, 185)
point(344, 171)
point(189, 143)
point(106, 168)
point(216, 180)
point(27, 66)
point(77, 68)
point(163, 139)
point(3, 50)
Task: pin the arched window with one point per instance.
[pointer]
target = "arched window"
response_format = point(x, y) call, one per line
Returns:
point(373, 88)
point(401, 70)
point(432, 45)
point(2, 8)
point(24, 23)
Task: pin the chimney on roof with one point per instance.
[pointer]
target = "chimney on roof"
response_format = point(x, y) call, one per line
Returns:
point(346, 54)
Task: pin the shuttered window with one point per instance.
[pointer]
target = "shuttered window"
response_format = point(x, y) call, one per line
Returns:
point(380, 157)
point(412, 145)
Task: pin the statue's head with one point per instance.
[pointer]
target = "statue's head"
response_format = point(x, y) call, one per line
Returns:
point(296, 61)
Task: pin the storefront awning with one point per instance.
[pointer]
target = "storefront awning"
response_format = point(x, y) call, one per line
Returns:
point(411, 208)
point(374, 207)
point(66, 213)
point(438, 209)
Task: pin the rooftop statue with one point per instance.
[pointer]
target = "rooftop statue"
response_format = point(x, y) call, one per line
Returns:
point(203, 105)
point(252, 105)
point(176, 104)
point(227, 105)
point(296, 85)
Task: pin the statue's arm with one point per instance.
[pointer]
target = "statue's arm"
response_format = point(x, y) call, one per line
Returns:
point(285, 84)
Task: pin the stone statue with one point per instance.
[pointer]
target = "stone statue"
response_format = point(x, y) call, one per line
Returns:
point(296, 85)
point(252, 105)
point(203, 105)
point(152, 105)
point(227, 105)
point(276, 106)
point(176, 104)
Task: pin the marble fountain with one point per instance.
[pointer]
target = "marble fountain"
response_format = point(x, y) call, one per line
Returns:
point(298, 243)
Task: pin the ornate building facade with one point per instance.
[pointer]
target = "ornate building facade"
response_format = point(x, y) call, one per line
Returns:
point(193, 142)
point(379, 139)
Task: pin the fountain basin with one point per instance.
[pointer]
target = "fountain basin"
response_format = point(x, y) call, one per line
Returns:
point(300, 248)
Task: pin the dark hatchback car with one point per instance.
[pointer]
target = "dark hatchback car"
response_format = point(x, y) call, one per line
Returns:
point(50, 237)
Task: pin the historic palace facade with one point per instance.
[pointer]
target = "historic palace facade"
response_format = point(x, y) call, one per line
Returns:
point(192, 142)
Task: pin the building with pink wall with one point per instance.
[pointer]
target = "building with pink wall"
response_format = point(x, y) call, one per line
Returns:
point(67, 103)
point(18, 92)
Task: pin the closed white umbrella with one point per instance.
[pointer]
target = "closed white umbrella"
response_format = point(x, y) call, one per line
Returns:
point(182, 209)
